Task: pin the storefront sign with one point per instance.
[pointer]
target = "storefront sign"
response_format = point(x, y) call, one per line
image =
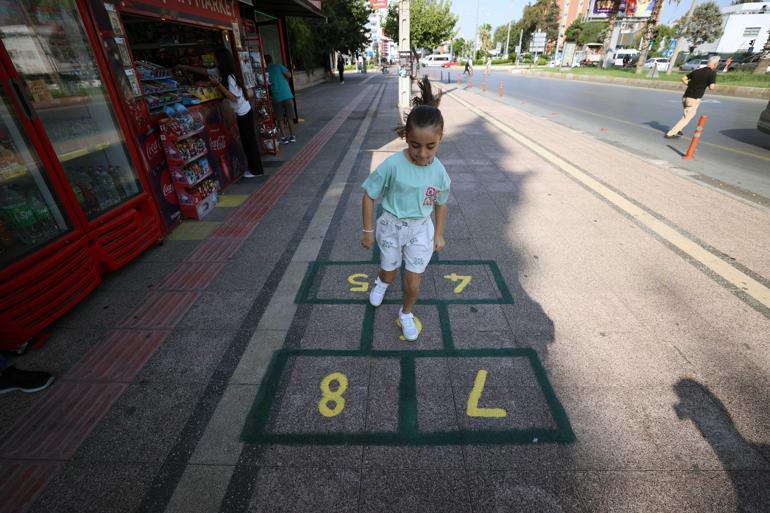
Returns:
point(219, 12)
point(378, 4)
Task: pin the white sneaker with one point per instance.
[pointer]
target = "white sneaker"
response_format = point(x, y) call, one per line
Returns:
point(408, 327)
point(378, 292)
point(249, 174)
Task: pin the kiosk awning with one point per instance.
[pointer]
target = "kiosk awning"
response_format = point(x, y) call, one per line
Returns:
point(302, 8)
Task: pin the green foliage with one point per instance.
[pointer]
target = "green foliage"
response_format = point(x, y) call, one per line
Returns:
point(552, 21)
point(306, 54)
point(705, 25)
point(431, 23)
point(500, 34)
point(345, 28)
point(485, 36)
point(582, 31)
point(458, 47)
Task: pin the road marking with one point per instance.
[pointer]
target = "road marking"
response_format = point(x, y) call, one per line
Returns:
point(648, 128)
point(732, 275)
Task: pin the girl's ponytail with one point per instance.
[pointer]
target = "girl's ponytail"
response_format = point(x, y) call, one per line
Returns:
point(424, 111)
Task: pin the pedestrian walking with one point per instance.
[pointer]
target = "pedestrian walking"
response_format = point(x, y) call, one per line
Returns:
point(468, 67)
point(697, 82)
point(341, 68)
point(282, 98)
point(412, 183)
point(488, 66)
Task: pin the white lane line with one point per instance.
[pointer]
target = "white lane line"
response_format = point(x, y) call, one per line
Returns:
point(220, 446)
point(732, 275)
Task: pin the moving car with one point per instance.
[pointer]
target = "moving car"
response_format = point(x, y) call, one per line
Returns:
point(748, 64)
point(763, 124)
point(662, 63)
point(620, 55)
point(436, 60)
point(694, 64)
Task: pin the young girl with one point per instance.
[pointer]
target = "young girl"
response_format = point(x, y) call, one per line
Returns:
point(233, 91)
point(412, 183)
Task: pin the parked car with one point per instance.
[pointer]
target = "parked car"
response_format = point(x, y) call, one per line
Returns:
point(662, 63)
point(435, 60)
point(694, 64)
point(620, 56)
point(763, 124)
point(748, 64)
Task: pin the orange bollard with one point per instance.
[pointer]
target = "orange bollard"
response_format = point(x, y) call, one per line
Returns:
point(501, 89)
point(696, 138)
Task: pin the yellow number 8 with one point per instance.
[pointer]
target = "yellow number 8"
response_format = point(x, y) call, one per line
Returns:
point(333, 396)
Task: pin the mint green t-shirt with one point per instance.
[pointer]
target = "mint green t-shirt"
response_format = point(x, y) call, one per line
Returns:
point(408, 191)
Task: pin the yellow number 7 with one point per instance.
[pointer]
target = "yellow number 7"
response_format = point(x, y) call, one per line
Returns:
point(473, 409)
point(463, 279)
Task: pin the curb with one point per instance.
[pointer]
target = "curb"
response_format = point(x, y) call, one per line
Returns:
point(760, 93)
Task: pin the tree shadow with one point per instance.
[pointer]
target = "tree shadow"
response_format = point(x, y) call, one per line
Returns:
point(698, 404)
point(750, 136)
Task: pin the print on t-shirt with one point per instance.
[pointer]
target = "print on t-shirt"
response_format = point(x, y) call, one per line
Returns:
point(431, 194)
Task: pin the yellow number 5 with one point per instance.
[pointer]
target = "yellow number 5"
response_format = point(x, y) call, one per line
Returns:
point(361, 282)
point(473, 409)
point(333, 396)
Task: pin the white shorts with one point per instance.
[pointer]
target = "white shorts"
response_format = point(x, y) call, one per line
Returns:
point(411, 237)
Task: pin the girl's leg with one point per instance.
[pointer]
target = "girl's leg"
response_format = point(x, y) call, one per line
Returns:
point(388, 276)
point(249, 142)
point(411, 290)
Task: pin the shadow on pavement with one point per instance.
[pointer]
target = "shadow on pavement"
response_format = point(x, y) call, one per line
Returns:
point(748, 136)
point(698, 404)
point(657, 126)
point(678, 152)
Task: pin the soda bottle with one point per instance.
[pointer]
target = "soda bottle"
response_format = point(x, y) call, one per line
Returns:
point(117, 182)
point(16, 211)
point(7, 239)
point(45, 226)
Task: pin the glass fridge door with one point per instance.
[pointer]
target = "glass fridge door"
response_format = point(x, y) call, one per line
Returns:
point(49, 47)
point(30, 213)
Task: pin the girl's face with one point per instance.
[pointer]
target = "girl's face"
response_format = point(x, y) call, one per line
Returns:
point(422, 144)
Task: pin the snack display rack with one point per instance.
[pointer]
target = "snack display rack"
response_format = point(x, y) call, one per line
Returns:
point(263, 108)
point(183, 137)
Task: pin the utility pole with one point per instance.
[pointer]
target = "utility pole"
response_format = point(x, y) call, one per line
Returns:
point(508, 38)
point(404, 49)
point(518, 48)
point(476, 37)
point(681, 42)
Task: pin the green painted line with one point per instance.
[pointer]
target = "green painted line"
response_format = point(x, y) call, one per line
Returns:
point(367, 331)
point(488, 301)
point(507, 298)
point(446, 328)
point(407, 399)
point(255, 430)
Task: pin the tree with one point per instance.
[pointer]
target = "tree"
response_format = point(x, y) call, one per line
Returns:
point(485, 36)
point(345, 28)
point(764, 60)
point(705, 26)
point(458, 46)
point(611, 20)
point(647, 34)
point(582, 31)
point(500, 34)
point(551, 22)
point(431, 22)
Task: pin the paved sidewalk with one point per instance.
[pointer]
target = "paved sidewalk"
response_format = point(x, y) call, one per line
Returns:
point(626, 369)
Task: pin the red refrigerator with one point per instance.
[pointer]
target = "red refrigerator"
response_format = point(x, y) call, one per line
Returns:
point(72, 203)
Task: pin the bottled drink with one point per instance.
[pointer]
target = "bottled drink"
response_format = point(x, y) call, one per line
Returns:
point(45, 226)
point(115, 177)
point(89, 191)
point(18, 215)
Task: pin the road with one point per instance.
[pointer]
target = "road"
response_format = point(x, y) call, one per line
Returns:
point(733, 154)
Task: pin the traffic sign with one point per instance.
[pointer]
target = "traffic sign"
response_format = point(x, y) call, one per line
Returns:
point(669, 53)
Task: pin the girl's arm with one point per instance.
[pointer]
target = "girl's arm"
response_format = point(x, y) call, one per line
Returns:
point(194, 69)
point(438, 238)
point(223, 89)
point(367, 214)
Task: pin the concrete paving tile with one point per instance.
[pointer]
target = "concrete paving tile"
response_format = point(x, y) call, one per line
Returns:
point(387, 335)
point(459, 249)
point(414, 457)
point(242, 274)
point(104, 309)
point(139, 275)
point(336, 281)
point(144, 408)
point(382, 409)
point(390, 490)
point(214, 310)
point(435, 401)
point(60, 352)
point(169, 251)
point(449, 284)
point(311, 490)
point(96, 487)
point(310, 370)
point(187, 356)
point(480, 317)
point(221, 443)
point(599, 492)
point(299, 412)
point(312, 456)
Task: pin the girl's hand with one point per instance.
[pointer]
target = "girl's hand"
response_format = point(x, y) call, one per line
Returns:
point(215, 82)
point(367, 239)
point(438, 243)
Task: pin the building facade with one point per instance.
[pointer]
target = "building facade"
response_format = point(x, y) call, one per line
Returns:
point(745, 29)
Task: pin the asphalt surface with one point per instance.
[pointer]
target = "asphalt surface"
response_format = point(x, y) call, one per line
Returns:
point(733, 154)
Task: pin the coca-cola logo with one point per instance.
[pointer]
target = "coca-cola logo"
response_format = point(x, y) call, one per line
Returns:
point(153, 148)
point(169, 194)
point(219, 143)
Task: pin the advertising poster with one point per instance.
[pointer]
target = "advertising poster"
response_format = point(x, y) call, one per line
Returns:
point(159, 177)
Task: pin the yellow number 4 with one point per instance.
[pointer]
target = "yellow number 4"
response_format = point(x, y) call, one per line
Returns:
point(462, 278)
point(360, 282)
point(473, 409)
point(333, 396)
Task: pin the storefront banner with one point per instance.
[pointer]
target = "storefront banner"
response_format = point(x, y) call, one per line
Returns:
point(639, 8)
point(160, 178)
point(378, 4)
point(217, 12)
point(603, 7)
point(625, 8)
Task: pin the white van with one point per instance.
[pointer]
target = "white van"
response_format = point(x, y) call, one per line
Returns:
point(436, 60)
point(622, 53)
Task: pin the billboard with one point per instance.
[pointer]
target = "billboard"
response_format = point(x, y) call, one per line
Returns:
point(626, 8)
point(378, 4)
